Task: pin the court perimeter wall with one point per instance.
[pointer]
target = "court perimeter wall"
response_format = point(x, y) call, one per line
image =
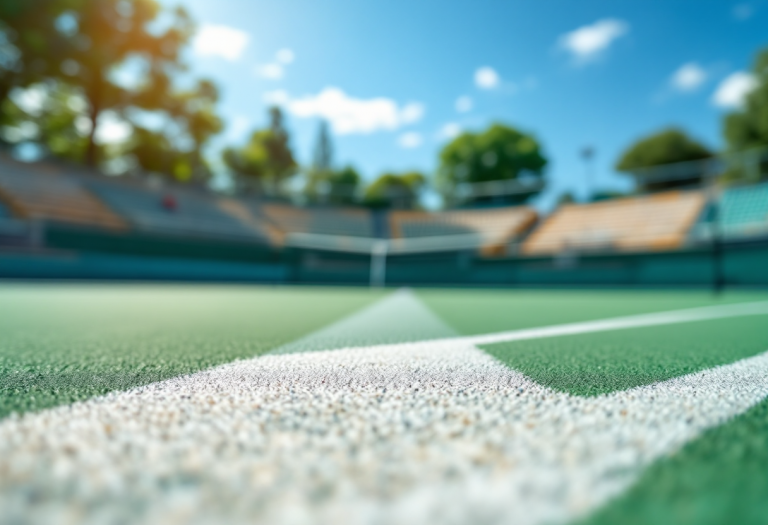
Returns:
point(75, 253)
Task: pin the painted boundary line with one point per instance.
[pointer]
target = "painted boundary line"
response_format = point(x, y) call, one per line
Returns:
point(616, 323)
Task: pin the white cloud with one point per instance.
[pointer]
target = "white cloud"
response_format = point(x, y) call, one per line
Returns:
point(285, 56)
point(412, 112)
point(743, 11)
point(733, 89)
point(278, 97)
point(271, 71)
point(463, 104)
point(588, 42)
point(410, 140)
point(487, 78)
point(449, 131)
point(349, 115)
point(276, 70)
point(688, 77)
point(220, 41)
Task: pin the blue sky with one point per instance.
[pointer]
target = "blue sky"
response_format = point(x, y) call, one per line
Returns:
point(396, 78)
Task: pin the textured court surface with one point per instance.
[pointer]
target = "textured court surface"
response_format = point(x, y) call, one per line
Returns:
point(268, 405)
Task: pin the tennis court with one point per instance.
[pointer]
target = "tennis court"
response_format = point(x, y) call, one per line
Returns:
point(202, 404)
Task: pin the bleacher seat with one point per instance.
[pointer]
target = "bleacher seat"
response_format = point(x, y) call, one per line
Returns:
point(43, 191)
point(654, 222)
point(745, 211)
point(346, 222)
point(170, 210)
point(496, 227)
point(260, 227)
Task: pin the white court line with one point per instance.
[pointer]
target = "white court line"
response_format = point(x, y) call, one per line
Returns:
point(602, 325)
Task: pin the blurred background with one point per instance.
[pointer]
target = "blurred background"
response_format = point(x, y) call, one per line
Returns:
point(492, 143)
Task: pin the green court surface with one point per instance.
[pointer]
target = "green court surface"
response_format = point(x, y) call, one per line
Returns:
point(66, 343)
point(69, 342)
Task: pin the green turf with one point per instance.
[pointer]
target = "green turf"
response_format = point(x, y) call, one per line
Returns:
point(720, 478)
point(65, 343)
point(484, 311)
point(602, 362)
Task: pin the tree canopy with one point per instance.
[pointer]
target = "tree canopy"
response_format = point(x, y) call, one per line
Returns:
point(266, 160)
point(333, 186)
point(392, 190)
point(668, 146)
point(95, 63)
point(747, 128)
point(499, 153)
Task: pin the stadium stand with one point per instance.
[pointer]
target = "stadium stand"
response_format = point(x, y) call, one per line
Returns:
point(496, 227)
point(171, 210)
point(745, 211)
point(346, 222)
point(654, 222)
point(259, 226)
point(44, 191)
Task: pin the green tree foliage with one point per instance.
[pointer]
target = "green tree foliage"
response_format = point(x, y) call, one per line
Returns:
point(747, 128)
point(325, 184)
point(393, 190)
point(32, 47)
point(177, 149)
point(323, 160)
point(499, 153)
point(667, 146)
point(333, 186)
point(266, 160)
point(95, 59)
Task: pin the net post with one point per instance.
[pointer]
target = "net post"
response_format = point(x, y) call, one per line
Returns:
point(379, 264)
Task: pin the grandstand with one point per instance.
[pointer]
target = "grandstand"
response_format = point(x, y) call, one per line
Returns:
point(743, 214)
point(48, 192)
point(496, 228)
point(169, 210)
point(648, 223)
point(343, 222)
point(63, 210)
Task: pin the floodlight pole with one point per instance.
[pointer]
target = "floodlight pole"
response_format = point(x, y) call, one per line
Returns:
point(379, 263)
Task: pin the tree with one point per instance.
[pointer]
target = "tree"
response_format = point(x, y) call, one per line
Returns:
point(393, 190)
point(323, 160)
point(747, 128)
point(500, 153)
point(32, 48)
point(667, 146)
point(333, 186)
point(177, 150)
point(83, 51)
point(266, 160)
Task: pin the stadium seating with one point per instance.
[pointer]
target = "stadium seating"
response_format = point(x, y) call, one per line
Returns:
point(347, 222)
point(170, 210)
point(43, 191)
point(745, 211)
point(654, 222)
point(496, 227)
point(260, 227)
